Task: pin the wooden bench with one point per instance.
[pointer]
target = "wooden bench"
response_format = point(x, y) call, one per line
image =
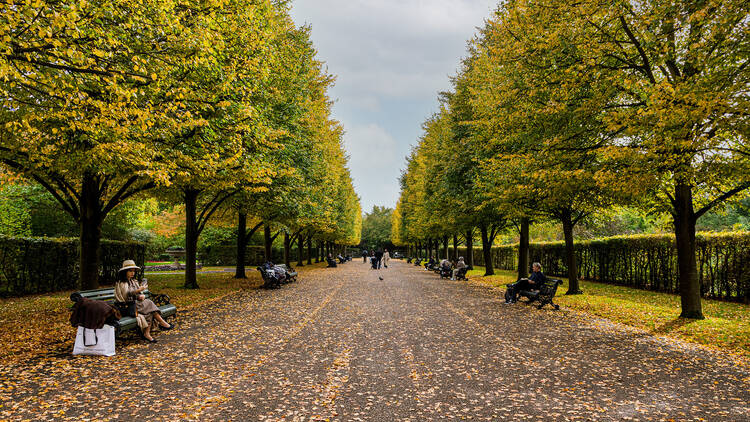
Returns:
point(544, 295)
point(269, 281)
point(126, 322)
point(291, 275)
point(461, 274)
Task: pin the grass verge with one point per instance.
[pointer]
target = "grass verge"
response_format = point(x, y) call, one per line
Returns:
point(726, 327)
point(31, 326)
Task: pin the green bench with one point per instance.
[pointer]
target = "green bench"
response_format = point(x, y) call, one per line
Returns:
point(127, 323)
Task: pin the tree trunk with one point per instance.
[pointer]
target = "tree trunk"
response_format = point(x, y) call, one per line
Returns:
point(191, 238)
point(300, 249)
point(684, 228)
point(470, 248)
point(487, 251)
point(570, 254)
point(91, 234)
point(267, 243)
point(286, 250)
point(309, 250)
point(455, 247)
point(239, 271)
point(445, 247)
point(523, 249)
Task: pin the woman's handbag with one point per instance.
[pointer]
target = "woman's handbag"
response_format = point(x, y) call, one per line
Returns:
point(126, 308)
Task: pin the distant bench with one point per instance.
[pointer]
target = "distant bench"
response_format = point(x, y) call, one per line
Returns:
point(127, 323)
point(272, 281)
point(544, 295)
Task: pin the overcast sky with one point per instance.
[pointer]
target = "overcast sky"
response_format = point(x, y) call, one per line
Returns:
point(390, 58)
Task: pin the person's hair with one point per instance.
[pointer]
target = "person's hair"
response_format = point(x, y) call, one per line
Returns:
point(460, 258)
point(123, 275)
point(536, 264)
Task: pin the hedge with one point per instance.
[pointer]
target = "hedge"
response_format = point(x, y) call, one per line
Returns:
point(645, 262)
point(42, 265)
point(227, 255)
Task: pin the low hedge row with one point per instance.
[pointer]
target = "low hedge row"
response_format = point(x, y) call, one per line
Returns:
point(42, 265)
point(645, 262)
point(227, 255)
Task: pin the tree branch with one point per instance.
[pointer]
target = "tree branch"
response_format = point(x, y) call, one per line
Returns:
point(726, 195)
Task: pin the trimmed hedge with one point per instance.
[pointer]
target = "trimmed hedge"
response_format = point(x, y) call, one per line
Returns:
point(645, 262)
point(227, 255)
point(42, 265)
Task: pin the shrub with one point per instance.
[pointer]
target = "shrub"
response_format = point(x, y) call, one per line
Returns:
point(42, 265)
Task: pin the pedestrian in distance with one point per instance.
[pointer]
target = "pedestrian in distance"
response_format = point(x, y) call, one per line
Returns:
point(386, 258)
point(379, 257)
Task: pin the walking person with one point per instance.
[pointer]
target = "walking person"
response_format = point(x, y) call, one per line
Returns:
point(364, 256)
point(379, 257)
point(386, 258)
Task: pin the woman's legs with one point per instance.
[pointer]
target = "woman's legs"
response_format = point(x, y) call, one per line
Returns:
point(147, 333)
point(160, 320)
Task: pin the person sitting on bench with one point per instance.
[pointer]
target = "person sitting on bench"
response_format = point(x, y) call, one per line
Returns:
point(536, 279)
point(460, 264)
point(429, 264)
point(341, 259)
point(129, 290)
point(331, 262)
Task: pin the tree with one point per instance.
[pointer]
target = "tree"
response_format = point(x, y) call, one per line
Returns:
point(83, 95)
point(376, 228)
point(669, 80)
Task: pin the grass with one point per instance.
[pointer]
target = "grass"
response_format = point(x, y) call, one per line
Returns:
point(726, 327)
point(31, 326)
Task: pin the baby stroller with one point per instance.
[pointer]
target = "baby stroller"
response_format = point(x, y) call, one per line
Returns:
point(445, 272)
point(461, 274)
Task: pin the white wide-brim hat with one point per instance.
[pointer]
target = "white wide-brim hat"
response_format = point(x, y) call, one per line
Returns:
point(128, 264)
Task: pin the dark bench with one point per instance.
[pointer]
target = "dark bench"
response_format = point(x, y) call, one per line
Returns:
point(291, 275)
point(127, 323)
point(269, 281)
point(544, 295)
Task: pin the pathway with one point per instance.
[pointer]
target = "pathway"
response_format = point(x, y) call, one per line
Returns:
point(343, 345)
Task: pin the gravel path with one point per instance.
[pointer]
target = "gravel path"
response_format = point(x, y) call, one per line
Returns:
point(341, 344)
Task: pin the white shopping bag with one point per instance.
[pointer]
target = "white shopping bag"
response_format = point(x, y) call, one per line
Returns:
point(99, 342)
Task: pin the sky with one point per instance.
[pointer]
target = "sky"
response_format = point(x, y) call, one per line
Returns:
point(390, 59)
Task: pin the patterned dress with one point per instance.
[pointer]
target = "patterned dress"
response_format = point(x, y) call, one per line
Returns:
point(127, 292)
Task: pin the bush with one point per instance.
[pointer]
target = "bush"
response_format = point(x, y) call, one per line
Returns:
point(645, 262)
point(42, 265)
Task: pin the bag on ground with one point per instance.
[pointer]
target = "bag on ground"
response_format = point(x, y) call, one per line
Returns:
point(99, 342)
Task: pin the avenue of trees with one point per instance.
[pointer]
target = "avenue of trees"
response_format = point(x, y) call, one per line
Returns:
point(219, 106)
point(563, 109)
point(376, 228)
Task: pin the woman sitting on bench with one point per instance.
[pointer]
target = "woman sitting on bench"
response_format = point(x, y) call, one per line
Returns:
point(129, 290)
point(535, 280)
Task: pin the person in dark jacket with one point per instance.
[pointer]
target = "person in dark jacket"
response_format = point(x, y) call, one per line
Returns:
point(364, 256)
point(536, 279)
point(379, 257)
